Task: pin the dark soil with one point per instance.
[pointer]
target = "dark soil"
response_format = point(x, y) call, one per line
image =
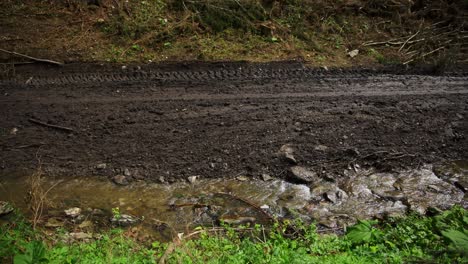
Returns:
point(222, 120)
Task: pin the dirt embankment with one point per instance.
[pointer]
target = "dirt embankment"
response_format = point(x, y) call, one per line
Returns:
point(320, 32)
point(172, 121)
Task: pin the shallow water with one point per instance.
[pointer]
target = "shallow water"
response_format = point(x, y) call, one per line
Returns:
point(168, 209)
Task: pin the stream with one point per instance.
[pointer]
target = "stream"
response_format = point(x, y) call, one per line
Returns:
point(163, 210)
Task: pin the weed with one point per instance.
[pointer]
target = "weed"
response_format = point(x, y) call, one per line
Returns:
point(377, 55)
point(320, 58)
point(136, 20)
point(115, 54)
point(38, 196)
point(116, 213)
point(34, 254)
point(439, 239)
point(363, 232)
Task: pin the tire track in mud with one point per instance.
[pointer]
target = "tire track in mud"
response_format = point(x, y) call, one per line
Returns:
point(215, 75)
point(221, 122)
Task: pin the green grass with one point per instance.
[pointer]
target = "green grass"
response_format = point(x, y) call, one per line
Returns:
point(437, 239)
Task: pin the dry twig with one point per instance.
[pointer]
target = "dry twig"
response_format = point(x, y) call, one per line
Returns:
point(37, 122)
point(32, 58)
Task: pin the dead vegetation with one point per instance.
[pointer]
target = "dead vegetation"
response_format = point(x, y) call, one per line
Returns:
point(37, 196)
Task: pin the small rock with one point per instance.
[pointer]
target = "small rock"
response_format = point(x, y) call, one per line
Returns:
point(321, 148)
point(54, 222)
point(124, 67)
point(126, 172)
point(303, 175)
point(192, 179)
point(353, 53)
point(73, 212)
point(287, 152)
point(237, 220)
point(120, 180)
point(13, 131)
point(80, 236)
point(85, 224)
point(266, 177)
point(124, 220)
point(336, 196)
point(97, 212)
point(161, 179)
point(242, 178)
point(101, 166)
point(5, 208)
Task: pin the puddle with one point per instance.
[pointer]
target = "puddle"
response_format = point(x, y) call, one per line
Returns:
point(165, 210)
point(179, 207)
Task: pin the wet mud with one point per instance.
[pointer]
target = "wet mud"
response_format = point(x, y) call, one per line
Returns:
point(167, 123)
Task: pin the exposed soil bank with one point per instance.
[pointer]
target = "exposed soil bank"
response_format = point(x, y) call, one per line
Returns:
point(167, 123)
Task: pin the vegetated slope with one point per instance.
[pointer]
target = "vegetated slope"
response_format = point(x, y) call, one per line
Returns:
point(321, 32)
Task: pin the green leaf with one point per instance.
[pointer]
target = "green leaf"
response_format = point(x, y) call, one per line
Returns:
point(22, 259)
point(35, 252)
point(361, 232)
point(459, 239)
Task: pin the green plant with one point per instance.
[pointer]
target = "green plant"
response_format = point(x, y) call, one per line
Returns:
point(137, 48)
point(438, 239)
point(453, 226)
point(136, 18)
point(274, 39)
point(115, 54)
point(363, 232)
point(34, 254)
point(377, 55)
point(116, 213)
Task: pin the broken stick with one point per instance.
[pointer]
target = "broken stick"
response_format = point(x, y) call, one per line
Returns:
point(37, 122)
point(32, 58)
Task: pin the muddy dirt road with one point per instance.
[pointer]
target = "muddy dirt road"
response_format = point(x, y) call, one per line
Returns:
point(170, 122)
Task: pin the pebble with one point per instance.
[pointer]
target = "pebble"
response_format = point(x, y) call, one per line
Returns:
point(5, 208)
point(353, 53)
point(266, 177)
point(303, 175)
point(192, 179)
point(73, 212)
point(124, 220)
point(120, 180)
point(80, 236)
point(54, 222)
point(101, 166)
point(86, 224)
point(287, 152)
point(242, 178)
point(321, 148)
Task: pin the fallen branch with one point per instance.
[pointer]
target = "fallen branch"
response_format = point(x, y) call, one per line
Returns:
point(32, 58)
point(406, 42)
point(424, 55)
point(37, 122)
